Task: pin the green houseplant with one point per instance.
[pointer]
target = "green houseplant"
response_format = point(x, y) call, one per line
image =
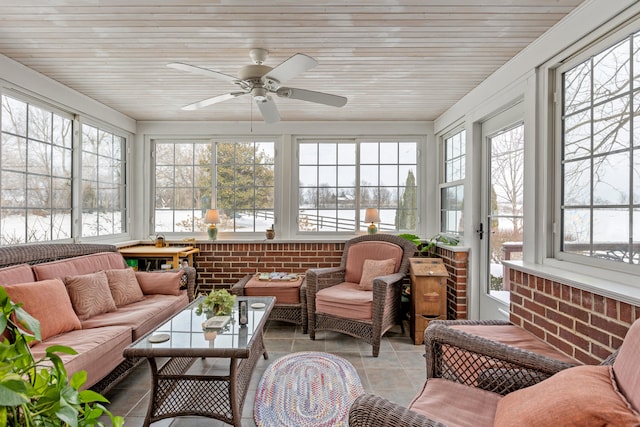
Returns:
point(38, 392)
point(217, 303)
point(426, 249)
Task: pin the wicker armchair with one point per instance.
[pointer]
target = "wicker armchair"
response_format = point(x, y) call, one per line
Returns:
point(471, 365)
point(384, 298)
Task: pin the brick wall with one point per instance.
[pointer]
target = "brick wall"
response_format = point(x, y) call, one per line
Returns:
point(457, 264)
point(221, 264)
point(579, 323)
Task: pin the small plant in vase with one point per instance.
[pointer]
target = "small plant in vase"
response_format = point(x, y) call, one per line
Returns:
point(216, 303)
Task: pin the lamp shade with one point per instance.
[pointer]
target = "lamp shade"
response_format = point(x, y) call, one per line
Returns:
point(212, 216)
point(371, 215)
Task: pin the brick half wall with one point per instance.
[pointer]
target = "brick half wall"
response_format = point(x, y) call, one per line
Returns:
point(582, 324)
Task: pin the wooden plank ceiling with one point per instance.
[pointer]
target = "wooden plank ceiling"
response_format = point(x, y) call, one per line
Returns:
point(392, 59)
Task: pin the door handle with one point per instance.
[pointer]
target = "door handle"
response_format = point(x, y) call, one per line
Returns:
point(480, 231)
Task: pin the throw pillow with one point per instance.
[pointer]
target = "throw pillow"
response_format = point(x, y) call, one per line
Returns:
point(49, 303)
point(159, 283)
point(579, 396)
point(375, 268)
point(124, 286)
point(90, 294)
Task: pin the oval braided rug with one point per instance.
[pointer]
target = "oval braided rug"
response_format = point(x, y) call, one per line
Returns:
point(308, 388)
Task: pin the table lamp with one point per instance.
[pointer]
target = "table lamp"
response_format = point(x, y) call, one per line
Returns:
point(212, 218)
point(371, 215)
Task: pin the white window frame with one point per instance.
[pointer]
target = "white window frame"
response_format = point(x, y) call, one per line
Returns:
point(359, 226)
point(443, 183)
point(125, 197)
point(212, 141)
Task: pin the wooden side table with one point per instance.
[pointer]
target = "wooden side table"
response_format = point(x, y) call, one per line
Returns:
point(173, 252)
point(428, 294)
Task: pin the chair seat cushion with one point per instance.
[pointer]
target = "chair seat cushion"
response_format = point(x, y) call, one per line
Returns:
point(578, 396)
point(473, 407)
point(515, 336)
point(345, 300)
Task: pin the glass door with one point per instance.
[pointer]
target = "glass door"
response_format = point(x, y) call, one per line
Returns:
point(501, 230)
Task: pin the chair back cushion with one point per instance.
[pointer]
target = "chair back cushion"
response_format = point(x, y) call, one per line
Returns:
point(579, 396)
point(625, 367)
point(375, 250)
point(85, 264)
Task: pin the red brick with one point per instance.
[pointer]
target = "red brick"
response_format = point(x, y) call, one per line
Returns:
point(574, 339)
point(542, 322)
point(545, 300)
point(600, 352)
point(534, 307)
point(592, 333)
point(626, 312)
point(561, 345)
point(560, 318)
point(609, 326)
point(575, 312)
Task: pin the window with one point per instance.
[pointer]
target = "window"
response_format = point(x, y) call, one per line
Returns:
point(243, 180)
point(35, 173)
point(452, 186)
point(338, 180)
point(103, 184)
point(600, 160)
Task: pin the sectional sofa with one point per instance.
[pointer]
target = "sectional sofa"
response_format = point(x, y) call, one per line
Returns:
point(86, 297)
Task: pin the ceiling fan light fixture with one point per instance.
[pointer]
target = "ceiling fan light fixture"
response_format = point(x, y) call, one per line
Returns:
point(259, 94)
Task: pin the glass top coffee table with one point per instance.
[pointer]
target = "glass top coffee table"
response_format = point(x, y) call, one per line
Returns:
point(182, 340)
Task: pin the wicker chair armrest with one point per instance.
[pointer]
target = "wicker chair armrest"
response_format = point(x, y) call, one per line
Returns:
point(187, 281)
point(238, 287)
point(388, 280)
point(320, 278)
point(370, 410)
point(468, 359)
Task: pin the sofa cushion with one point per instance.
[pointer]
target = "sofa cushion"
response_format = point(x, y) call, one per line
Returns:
point(578, 396)
point(21, 273)
point(375, 268)
point(123, 286)
point(159, 283)
point(79, 265)
point(90, 294)
point(345, 300)
point(625, 367)
point(377, 250)
point(47, 301)
point(99, 350)
point(142, 316)
point(474, 407)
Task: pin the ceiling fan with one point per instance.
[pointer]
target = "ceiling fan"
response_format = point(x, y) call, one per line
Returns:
point(261, 81)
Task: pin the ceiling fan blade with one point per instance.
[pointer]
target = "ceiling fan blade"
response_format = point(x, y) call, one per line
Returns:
point(202, 71)
point(268, 110)
point(211, 101)
point(312, 96)
point(290, 68)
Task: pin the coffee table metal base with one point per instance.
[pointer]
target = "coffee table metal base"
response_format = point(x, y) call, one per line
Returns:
point(175, 393)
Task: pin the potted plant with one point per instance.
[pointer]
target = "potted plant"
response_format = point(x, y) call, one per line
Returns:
point(38, 392)
point(216, 303)
point(426, 249)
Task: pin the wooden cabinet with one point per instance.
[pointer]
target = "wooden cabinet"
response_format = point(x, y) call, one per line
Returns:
point(428, 295)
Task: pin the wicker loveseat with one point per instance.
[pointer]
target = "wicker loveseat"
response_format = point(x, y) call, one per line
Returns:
point(63, 286)
point(507, 386)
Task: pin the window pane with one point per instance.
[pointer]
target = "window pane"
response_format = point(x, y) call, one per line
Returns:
point(336, 201)
point(35, 175)
point(451, 195)
point(601, 186)
point(103, 186)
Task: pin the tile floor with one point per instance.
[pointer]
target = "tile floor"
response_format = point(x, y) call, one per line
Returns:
point(396, 374)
